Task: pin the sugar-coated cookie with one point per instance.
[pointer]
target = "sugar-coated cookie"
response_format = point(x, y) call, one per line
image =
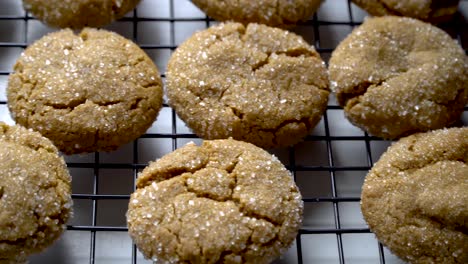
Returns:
point(433, 11)
point(415, 197)
point(79, 13)
point(255, 83)
point(395, 76)
point(277, 13)
point(92, 91)
point(35, 193)
point(225, 201)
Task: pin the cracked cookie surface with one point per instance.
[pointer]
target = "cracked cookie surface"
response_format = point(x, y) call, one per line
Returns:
point(35, 193)
point(277, 13)
point(415, 197)
point(225, 201)
point(78, 14)
point(258, 84)
point(433, 11)
point(94, 91)
point(396, 76)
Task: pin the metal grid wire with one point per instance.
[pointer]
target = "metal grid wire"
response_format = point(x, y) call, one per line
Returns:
point(330, 169)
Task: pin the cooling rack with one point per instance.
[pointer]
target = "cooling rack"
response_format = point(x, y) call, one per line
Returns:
point(329, 166)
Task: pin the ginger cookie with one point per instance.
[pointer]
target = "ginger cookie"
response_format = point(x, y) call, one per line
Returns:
point(225, 201)
point(78, 14)
point(433, 11)
point(276, 13)
point(395, 76)
point(258, 84)
point(415, 197)
point(88, 92)
point(35, 193)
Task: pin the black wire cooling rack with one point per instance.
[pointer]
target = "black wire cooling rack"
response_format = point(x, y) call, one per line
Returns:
point(329, 166)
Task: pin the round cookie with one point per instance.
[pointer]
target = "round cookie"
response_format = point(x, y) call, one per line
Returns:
point(79, 13)
point(258, 84)
point(225, 201)
point(434, 11)
point(35, 193)
point(276, 13)
point(396, 76)
point(88, 92)
point(415, 197)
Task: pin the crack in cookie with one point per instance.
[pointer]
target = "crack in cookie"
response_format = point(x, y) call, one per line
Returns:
point(235, 202)
point(229, 78)
point(35, 195)
point(91, 91)
point(414, 198)
point(396, 76)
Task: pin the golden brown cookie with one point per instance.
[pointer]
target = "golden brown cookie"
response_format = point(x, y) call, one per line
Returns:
point(415, 197)
point(277, 13)
point(433, 11)
point(396, 76)
point(258, 84)
point(35, 195)
point(225, 201)
point(79, 13)
point(88, 92)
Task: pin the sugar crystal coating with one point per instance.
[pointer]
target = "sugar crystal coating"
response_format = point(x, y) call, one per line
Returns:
point(79, 13)
point(94, 91)
point(415, 197)
point(35, 194)
point(428, 10)
point(258, 84)
point(396, 76)
point(225, 201)
point(278, 13)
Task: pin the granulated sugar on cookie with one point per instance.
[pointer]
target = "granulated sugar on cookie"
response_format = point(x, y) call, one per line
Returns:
point(79, 13)
point(433, 11)
point(396, 76)
point(255, 83)
point(277, 13)
point(35, 193)
point(225, 201)
point(415, 197)
point(92, 91)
